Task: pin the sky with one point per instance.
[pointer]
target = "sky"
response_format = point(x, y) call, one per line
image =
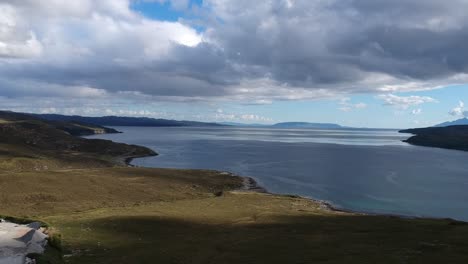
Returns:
point(362, 63)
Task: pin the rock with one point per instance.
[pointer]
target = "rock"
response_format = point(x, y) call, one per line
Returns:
point(17, 241)
point(35, 225)
point(13, 260)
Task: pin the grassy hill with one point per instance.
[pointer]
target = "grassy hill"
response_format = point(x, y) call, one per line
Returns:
point(101, 211)
point(74, 128)
point(27, 143)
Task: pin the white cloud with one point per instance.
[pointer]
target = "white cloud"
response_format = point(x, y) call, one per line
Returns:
point(15, 40)
point(253, 117)
point(83, 91)
point(459, 110)
point(102, 30)
point(416, 111)
point(404, 102)
point(221, 116)
point(24, 49)
point(347, 106)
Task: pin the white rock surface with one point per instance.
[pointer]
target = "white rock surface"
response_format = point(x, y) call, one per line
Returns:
point(17, 241)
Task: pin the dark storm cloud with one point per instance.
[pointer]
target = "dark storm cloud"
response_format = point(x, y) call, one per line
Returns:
point(313, 43)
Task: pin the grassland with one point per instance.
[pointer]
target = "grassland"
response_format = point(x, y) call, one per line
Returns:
point(106, 212)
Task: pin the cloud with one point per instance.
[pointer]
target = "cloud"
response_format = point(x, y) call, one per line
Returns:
point(242, 51)
point(347, 106)
point(416, 111)
point(12, 44)
point(459, 110)
point(222, 116)
point(404, 102)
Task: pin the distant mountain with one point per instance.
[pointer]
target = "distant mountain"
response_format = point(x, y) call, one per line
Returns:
point(459, 122)
point(306, 125)
point(152, 122)
point(124, 121)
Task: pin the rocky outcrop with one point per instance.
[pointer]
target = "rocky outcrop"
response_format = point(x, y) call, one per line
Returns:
point(18, 241)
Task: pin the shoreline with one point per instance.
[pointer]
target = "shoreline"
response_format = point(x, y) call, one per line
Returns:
point(251, 185)
point(127, 160)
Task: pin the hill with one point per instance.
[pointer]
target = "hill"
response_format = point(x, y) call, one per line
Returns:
point(451, 137)
point(459, 122)
point(124, 121)
point(26, 142)
point(73, 128)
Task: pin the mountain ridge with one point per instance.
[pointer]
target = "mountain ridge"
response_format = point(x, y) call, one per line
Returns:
point(159, 122)
point(459, 122)
point(124, 121)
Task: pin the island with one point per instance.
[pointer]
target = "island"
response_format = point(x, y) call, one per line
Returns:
point(96, 208)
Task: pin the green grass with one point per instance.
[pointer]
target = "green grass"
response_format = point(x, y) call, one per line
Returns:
point(3, 121)
point(255, 228)
point(135, 215)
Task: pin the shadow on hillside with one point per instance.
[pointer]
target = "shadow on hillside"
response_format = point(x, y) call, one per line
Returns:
point(285, 239)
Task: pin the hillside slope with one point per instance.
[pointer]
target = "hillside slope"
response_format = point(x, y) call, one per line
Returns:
point(26, 142)
point(73, 128)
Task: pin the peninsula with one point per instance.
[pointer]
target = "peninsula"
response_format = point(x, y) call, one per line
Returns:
point(450, 137)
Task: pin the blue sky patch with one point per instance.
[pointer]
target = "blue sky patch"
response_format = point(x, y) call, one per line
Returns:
point(163, 11)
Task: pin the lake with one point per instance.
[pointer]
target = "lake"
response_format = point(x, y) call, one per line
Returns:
point(369, 171)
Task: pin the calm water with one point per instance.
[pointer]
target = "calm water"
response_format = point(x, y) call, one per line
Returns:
point(362, 170)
